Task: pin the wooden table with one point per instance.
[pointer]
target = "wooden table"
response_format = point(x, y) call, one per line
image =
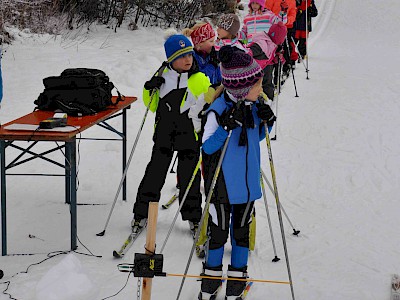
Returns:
point(9, 138)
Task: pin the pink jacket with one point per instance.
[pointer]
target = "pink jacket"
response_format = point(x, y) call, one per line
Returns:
point(267, 46)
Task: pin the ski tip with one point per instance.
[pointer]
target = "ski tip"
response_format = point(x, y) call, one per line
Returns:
point(164, 206)
point(101, 233)
point(117, 255)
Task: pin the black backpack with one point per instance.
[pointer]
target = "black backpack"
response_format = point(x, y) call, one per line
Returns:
point(77, 92)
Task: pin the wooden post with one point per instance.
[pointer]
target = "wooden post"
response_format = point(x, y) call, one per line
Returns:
point(150, 245)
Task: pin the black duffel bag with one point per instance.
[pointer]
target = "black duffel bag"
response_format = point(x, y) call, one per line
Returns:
point(77, 92)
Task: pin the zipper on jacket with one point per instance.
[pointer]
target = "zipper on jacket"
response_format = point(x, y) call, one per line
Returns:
point(247, 172)
point(179, 81)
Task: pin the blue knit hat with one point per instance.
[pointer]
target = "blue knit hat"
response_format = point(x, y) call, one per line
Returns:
point(176, 46)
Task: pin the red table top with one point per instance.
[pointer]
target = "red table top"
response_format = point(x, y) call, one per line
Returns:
point(83, 123)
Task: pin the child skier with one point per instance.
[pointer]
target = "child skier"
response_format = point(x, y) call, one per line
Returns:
point(256, 26)
point(263, 49)
point(300, 36)
point(176, 94)
point(236, 111)
point(259, 20)
point(290, 55)
point(203, 38)
point(228, 26)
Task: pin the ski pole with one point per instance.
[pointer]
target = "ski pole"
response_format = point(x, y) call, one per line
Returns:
point(126, 169)
point(276, 258)
point(277, 96)
point(182, 202)
point(301, 59)
point(164, 64)
point(265, 97)
point(307, 39)
point(213, 183)
point(295, 232)
point(271, 163)
point(291, 69)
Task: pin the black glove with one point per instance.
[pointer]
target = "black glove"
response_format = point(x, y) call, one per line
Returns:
point(265, 113)
point(154, 83)
point(231, 119)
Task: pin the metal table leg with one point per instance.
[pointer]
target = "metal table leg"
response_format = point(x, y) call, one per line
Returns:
point(67, 174)
point(71, 146)
point(124, 142)
point(3, 199)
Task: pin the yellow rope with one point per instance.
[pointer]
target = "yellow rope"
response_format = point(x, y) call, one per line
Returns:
point(229, 278)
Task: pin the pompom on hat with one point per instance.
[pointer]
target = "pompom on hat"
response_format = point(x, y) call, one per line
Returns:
point(277, 33)
point(239, 71)
point(202, 34)
point(230, 23)
point(177, 45)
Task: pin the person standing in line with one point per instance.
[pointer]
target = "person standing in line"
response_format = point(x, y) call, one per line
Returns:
point(176, 95)
point(259, 20)
point(290, 55)
point(203, 38)
point(237, 112)
point(301, 36)
point(256, 26)
point(228, 26)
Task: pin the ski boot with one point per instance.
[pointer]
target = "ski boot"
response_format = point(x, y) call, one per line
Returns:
point(210, 287)
point(194, 226)
point(138, 224)
point(200, 249)
point(235, 289)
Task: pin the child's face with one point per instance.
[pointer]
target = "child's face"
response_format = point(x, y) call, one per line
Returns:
point(223, 34)
point(255, 91)
point(255, 6)
point(183, 63)
point(206, 46)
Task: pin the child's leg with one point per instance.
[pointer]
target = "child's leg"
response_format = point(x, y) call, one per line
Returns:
point(153, 181)
point(267, 84)
point(187, 161)
point(240, 233)
point(302, 46)
point(240, 237)
point(218, 224)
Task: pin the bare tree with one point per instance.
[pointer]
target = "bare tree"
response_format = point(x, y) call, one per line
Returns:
point(51, 16)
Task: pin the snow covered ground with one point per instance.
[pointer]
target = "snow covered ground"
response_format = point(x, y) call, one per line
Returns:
point(337, 161)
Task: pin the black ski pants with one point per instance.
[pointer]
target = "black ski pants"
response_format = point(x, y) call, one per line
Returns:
point(240, 215)
point(154, 179)
point(267, 84)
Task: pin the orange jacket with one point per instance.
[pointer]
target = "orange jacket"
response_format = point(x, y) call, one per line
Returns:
point(275, 6)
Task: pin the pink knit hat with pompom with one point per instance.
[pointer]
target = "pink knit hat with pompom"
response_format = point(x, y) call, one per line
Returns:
point(261, 2)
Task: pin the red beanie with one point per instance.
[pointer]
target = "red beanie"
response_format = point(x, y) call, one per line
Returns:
point(202, 34)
